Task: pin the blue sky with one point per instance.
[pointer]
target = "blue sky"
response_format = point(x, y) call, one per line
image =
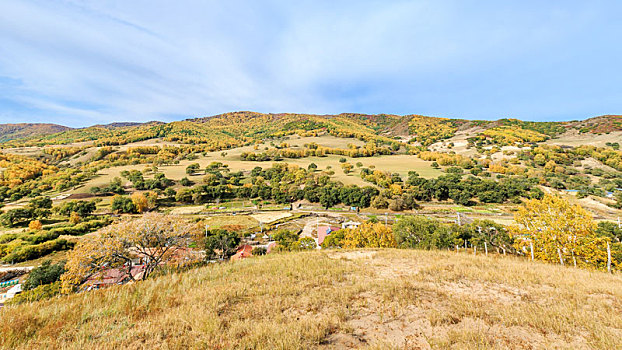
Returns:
point(84, 62)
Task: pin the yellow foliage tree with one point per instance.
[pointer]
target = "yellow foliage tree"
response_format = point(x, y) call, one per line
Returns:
point(140, 201)
point(35, 225)
point(369, 235)
point(144, 201)
point(154, 238)
point(74, 218)
point(560, 233)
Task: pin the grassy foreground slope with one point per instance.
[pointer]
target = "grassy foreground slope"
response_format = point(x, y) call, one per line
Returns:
point(337, 299)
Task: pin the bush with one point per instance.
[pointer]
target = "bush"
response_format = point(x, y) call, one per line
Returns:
point(45, 274)
point(41, 292)
point(186, 182)
point(123, 204)
point(334, 240)
point(423, 233)
point(29, 252)
point(306, 243)
point(15, 216)
point(35, 225)
point(82, 208)
point(287, 240)
point(259, 251)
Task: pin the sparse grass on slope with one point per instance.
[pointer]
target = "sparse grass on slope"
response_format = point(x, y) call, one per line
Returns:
point(337, 299)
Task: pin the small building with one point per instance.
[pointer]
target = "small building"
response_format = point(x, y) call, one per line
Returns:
point(11, 293)
point(117, 276)
point(350, 224)
point(244, 251)
point(9, 283)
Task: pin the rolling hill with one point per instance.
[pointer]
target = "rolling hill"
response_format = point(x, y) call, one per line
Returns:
point(28, 130)
point(238, 128)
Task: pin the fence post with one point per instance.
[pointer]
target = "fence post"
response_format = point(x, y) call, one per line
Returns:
point(531, 246)
point(486, 248)
point(608, 258)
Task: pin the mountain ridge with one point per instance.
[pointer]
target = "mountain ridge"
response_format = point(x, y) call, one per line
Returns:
point(12, 131)
point(244, 126)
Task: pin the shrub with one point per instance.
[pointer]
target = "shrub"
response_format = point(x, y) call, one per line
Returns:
point(41, 292)
point(45, 274)
point(424, 233)
point(35, 225)
point(123, 204)
point(29, 252)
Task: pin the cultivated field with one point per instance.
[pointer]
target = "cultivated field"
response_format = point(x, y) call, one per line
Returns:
point(574, 138)
point(338, 299)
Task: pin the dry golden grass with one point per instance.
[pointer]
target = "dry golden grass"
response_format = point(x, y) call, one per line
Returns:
point(271, 216)
point(337, 299)
point(218, 221)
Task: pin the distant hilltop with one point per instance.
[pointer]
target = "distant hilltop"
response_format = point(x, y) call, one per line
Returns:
point(23, 130)
point(239, 128)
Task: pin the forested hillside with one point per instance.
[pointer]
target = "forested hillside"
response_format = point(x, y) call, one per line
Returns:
point(240, 127)
point(26, 130)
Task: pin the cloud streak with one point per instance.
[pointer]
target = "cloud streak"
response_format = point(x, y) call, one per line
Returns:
point(84, 62)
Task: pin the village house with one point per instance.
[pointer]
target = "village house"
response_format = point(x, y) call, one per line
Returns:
point(350, 224)
point(244, 251)
point(10, 293)
point(116, 276)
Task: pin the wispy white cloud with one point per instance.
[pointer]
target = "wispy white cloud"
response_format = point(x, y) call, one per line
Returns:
point(84, 61)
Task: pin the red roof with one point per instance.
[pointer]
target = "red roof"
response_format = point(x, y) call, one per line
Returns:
point(115, 276)
point(244, 251)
